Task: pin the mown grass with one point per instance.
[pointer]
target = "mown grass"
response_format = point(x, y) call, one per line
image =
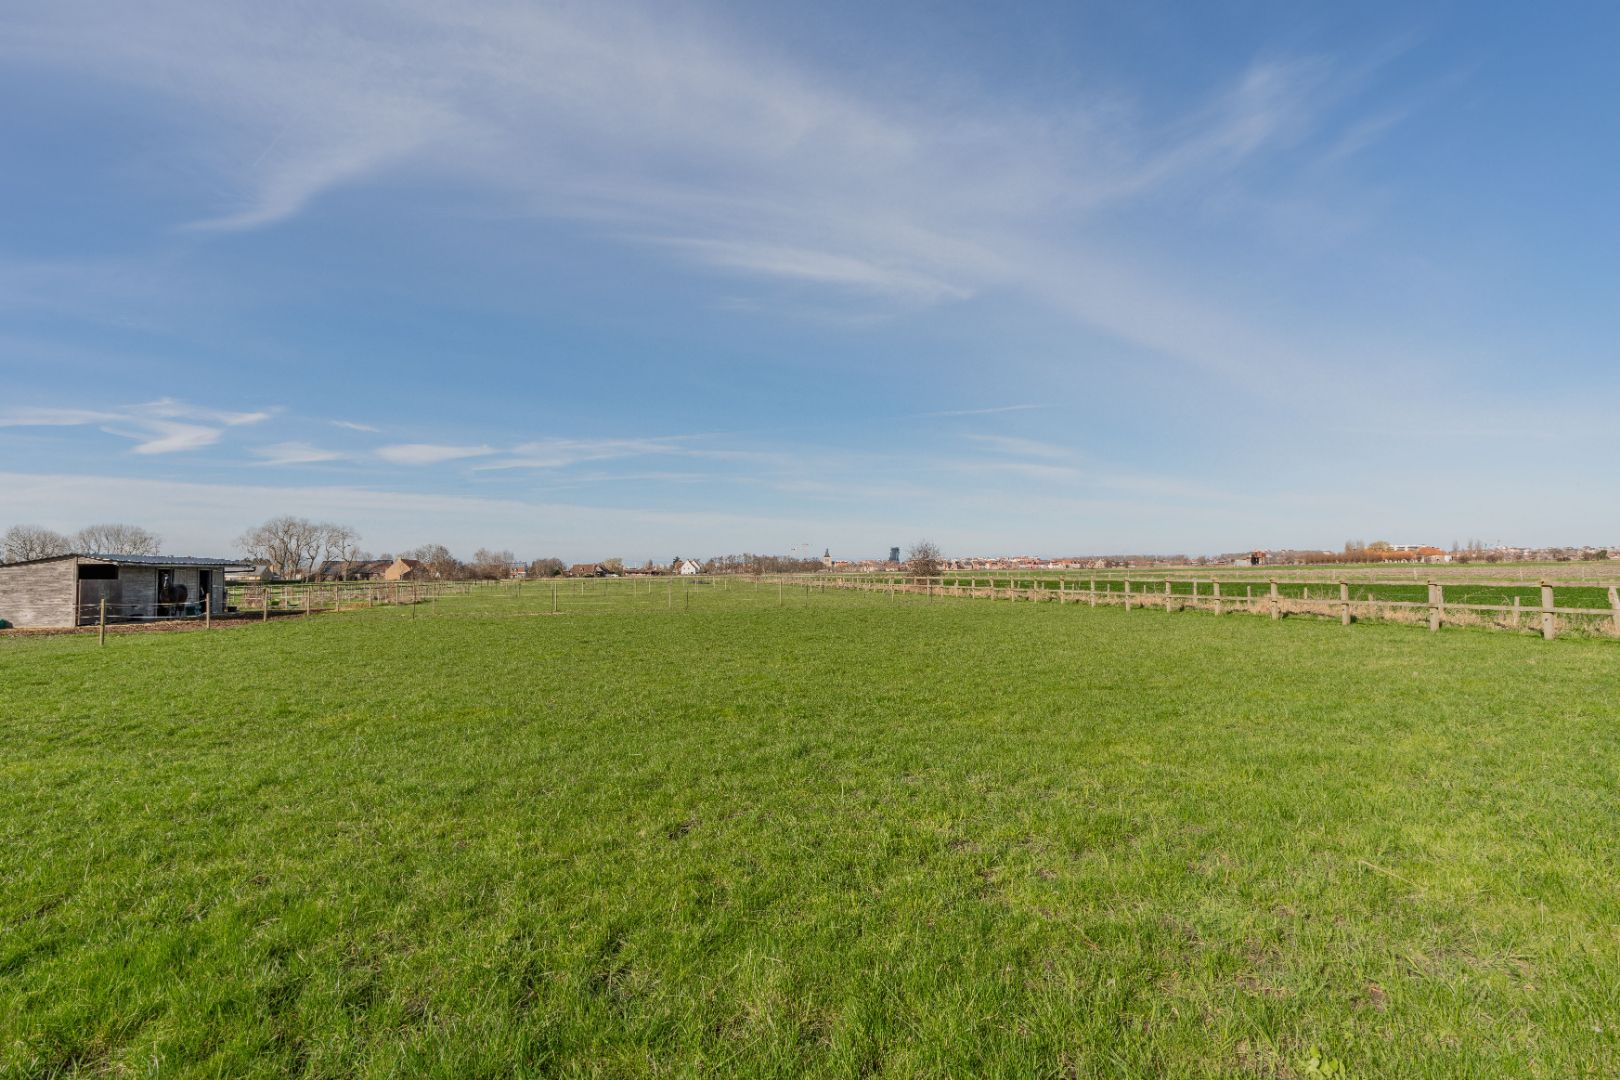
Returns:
point(847, 835)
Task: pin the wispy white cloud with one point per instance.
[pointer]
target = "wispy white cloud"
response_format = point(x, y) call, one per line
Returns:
point(294, 453)
point(52, 417)
point(820, 267)
point(429, 453)
point(164, 426)
point(664, 129)
point(166, 436)
point(554, 453)
point(170, 409)
point(205, 517)
point(355, 425)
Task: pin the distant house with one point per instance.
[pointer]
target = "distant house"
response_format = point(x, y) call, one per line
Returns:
point(351, 570)
point(403, 569)
point(253, 574)
point(69, 590)
point(585, 569)
point(687, 568)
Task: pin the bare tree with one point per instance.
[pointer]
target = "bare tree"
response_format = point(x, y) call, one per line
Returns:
point(492, 565)
point(294, 546)
point(342, 545)
point(546, 568)
point(115, 538)
point(923, 560)
point(438, 560)
point(614, 565)
point(24, 542)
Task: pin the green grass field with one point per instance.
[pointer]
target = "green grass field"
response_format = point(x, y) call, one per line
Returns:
point(669, 834)
point(1457, 590)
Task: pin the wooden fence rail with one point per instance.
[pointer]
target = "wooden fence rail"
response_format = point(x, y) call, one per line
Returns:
point(1277, 600)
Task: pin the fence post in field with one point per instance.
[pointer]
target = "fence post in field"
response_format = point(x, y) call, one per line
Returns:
point(1276, 604)
point(101, 623)
point(1091, 594)
point(266, 596)
point(778, 592)
point(1548, 624)
point(306, 603)
point(1614, 606)
point(1436, 602)
point(1127, 594)
point(1063, 585)
point(208, 610)
point(1166, 594)
point(1344, 603)
point(1215, 591)
point(1516, 613)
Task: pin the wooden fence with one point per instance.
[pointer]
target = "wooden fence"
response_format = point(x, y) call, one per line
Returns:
point(1277, 598)
point(1536, 607)
point(299, 598)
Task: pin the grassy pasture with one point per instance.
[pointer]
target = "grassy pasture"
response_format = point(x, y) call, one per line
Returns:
point(669, 833)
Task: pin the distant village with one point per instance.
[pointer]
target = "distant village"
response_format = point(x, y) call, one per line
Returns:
point(290, 548)
point(502, 565)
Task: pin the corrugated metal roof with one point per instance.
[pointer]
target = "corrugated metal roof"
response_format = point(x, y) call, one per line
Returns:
point(161, 560)
point(136, 560)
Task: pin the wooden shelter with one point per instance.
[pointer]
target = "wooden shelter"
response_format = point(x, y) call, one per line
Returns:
point(68, 590)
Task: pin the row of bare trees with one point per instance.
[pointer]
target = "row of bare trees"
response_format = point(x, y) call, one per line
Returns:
point(295, 547)
point(757, 564)
point(21, 543)
point(923, 559)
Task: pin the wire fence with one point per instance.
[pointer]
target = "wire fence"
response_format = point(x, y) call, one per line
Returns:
point(1549, 608)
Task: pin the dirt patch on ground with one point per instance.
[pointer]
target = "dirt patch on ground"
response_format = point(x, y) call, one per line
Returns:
point(157, 626)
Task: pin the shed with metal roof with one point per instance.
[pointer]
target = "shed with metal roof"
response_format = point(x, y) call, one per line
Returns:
point(69, 590)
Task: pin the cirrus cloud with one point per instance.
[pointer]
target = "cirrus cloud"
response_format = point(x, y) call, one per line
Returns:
point(429, 453)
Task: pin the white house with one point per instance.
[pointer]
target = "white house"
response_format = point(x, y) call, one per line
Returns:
point(688, 568)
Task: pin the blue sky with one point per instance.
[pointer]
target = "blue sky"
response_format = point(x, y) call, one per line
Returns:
point(596, 279)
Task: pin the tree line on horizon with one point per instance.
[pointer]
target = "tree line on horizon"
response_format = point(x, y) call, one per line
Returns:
point(296, 547)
